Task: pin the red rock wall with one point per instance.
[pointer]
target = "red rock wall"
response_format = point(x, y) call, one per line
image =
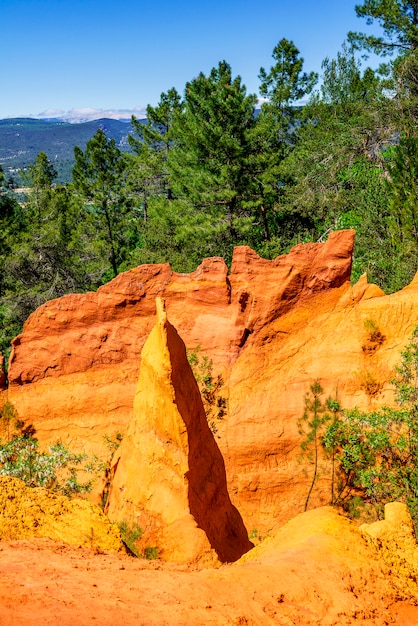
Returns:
point(75, 333)
point(271, 328)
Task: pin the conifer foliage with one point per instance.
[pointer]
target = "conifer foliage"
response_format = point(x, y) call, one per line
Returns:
point(209, 166)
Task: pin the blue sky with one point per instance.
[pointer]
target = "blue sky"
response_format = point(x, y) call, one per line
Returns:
point(88, 57)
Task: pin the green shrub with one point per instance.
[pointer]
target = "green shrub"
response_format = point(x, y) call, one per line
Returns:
point(129, 535)
point(151, 552)
point(55, 469)
point(377, 451)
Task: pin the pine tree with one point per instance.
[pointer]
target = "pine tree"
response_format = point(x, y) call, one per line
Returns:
point(273, 136)
point(285, 83)
point(337, 170)
point(151, 147)
point(40, 177)
point(397, 18)
point(402, 190)
point(208, 166)
point(312, 425)
point(157, 132)
point(99, 175)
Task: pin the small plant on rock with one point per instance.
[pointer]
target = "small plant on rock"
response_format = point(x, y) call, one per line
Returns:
point(369, 383)
point(311, 425)
point(374, 338)
point(105, 467)
point(151, 553)
point(130, 535)
point(255, 537)
point(215, 404)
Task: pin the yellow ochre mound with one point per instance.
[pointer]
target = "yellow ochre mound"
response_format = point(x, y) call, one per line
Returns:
point(27, 512)
point(398, 549)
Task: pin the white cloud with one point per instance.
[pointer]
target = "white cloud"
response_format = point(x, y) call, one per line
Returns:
point(87, 114)
point(52, 113)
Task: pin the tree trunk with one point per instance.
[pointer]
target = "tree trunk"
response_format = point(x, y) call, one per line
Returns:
point(111, 241)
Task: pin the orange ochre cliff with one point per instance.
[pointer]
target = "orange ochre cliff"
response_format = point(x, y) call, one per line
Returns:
point(271, 328)
point(113, 365)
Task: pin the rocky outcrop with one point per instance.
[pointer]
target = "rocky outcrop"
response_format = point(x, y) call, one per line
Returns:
point(266, 290)
point(26, 513)
point(270, 327)
point(109, 327)
point(169, 474)
point(74, 369)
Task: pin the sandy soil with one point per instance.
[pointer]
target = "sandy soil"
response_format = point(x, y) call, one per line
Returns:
point(48, 583)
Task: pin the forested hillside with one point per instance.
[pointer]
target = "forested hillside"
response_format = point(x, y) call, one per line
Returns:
point(21, 139)
point(206, 174)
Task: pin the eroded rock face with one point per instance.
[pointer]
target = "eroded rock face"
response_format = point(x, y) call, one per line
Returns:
point(266, 290)
point(75, 333)
point(271, 329)
point(73, 371)
point(169, 474)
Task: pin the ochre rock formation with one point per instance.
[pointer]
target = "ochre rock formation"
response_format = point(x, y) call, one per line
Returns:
point(394, 538)
point(270, 327)
point(77, 361)
point(99, 327)
point(169, 474)
point(27, 512)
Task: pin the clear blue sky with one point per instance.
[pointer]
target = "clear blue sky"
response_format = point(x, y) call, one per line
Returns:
point(62, 55)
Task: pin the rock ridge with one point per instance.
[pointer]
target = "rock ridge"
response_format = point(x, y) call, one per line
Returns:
point(255, 292)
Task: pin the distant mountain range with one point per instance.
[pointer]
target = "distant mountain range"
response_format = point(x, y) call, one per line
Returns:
point(21, 139)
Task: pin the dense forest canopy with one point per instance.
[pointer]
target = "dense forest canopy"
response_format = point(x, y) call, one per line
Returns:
point(206, 172)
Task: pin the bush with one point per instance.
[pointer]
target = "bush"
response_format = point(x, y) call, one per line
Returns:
point(374, 338)
point(56, 469)
point(130, 535)
point(377, 452)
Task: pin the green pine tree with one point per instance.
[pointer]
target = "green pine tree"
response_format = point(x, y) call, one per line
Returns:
point(99, 175)
point(208, 166)
point(273, 138)
point(151, 145)
point(397, 18)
